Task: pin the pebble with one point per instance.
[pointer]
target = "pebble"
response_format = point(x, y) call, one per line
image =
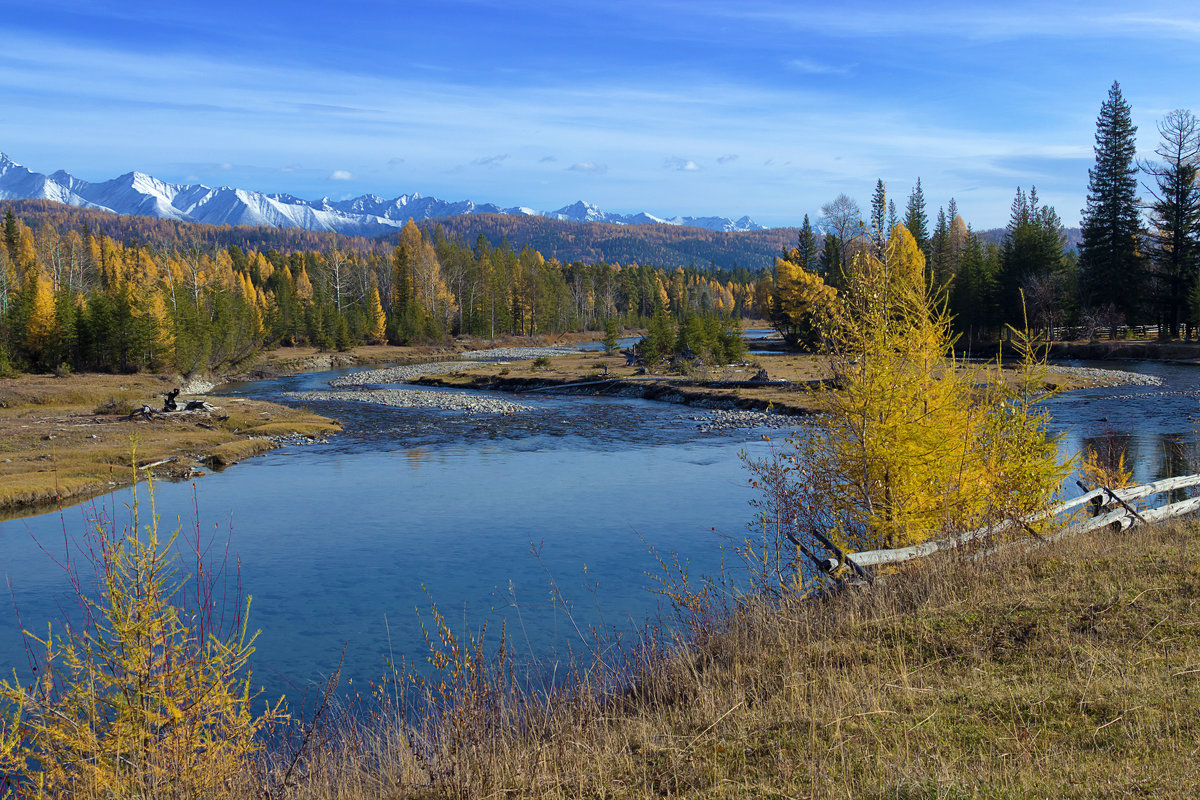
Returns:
point(415, 398)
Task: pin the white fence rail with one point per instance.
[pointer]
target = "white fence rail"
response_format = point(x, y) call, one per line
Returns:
point(1115, 505)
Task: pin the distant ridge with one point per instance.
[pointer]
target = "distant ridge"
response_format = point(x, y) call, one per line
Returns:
point(138, 194)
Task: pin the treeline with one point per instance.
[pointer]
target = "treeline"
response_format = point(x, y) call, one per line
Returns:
point(72, 298)
point(1137, 264)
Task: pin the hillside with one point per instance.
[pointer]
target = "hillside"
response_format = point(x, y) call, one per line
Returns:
point(658, 245)
point(653, 245)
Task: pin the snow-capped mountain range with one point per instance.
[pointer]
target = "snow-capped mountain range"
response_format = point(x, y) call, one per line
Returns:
point(138, 194)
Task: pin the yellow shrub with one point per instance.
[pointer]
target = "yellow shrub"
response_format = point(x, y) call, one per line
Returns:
point(141, 698)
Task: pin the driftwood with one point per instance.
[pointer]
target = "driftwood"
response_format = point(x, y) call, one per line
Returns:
point(154, 464)
point(1123, 517)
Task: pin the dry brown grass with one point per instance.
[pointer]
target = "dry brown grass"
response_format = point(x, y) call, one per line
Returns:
point(66, 439)
point(1071, 671)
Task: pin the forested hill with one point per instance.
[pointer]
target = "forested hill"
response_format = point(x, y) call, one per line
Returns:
point(666, 246)
point(166, 233)
point(592, 242)
point(996, 236)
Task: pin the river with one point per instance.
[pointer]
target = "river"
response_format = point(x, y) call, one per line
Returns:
point(345, 545)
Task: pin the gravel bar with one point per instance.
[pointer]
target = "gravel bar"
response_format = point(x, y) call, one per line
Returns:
point(470, 359)
point(1109, 377)
point(416, 398)
point(724, 420)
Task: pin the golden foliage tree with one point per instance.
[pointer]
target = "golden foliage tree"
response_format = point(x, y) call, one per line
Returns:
point(43, 320)
point(376, 319)
point(143, 699)
point(909, 449)
point(801, 304)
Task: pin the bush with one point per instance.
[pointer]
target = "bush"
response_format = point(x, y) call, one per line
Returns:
point(144, 697)
point(541, 362)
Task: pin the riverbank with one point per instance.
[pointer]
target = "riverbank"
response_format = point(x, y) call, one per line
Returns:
point(1066, 671)
point(64, 439)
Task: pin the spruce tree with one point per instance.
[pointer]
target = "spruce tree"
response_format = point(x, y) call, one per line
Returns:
point(878, 211)
point(806, 246)
point(1033, 264)
point(1109, 256)
point(915, 218)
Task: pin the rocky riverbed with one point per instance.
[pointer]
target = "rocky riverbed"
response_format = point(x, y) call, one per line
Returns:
point(469, 403)
point(1108, 377)
point(470, 360)
point(734, 419)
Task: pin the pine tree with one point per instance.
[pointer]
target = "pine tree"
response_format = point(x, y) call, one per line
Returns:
point(1175, 214)
point(1109, 254)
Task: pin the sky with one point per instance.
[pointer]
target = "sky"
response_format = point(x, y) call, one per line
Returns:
point(755, 107)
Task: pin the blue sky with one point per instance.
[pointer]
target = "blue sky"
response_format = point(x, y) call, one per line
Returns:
point(695, 108)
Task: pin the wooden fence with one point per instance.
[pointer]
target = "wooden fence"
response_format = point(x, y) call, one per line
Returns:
point(1116, 509)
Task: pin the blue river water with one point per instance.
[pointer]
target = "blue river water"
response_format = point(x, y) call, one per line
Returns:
point(345, 545)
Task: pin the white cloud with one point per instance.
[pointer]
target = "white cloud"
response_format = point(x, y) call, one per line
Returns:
point(681, 165)
point(340, 175)
point(588, 166)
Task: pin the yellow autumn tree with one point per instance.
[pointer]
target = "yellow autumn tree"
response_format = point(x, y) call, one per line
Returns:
point(908, 449)
point(304, 287)
point(802, 304)
point(161, 331)
point(43, 320)
point(376, 319)
point(148, 700)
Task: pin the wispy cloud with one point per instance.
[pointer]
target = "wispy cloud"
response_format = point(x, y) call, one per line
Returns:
point(341, 175)
point(589, 167)
point(490, 161)
point(812, 67)
point(727, 158)
point(681, 164)
point(547, 160)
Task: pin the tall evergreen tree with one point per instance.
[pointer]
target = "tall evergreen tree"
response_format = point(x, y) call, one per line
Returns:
point(938, 247)
point(1109, 254)
point(806, 246)
point(1175, 215)
point(831, 261)
point(878, 222)
point(915, 218)
point(1033, 264)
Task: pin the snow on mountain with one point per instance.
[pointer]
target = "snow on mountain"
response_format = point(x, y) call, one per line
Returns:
point(139, 194)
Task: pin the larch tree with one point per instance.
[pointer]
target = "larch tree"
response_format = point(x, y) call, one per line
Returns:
point(1110, 257)
point(1175, 216)
point(842, 218)
point(911, 448)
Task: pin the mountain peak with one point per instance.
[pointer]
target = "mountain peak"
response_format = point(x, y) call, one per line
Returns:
point(140, 194)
